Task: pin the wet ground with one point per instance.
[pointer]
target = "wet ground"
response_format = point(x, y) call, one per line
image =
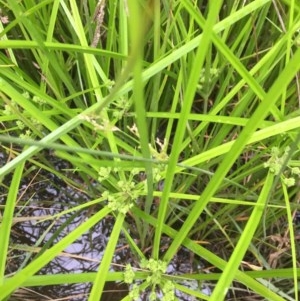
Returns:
point(43, 194)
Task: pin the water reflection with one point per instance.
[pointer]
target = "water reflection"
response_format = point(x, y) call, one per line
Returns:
point(45, 195)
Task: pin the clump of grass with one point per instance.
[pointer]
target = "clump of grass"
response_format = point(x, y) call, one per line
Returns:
point(180, 119)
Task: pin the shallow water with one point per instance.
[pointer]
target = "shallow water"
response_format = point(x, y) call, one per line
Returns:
point(44, 195)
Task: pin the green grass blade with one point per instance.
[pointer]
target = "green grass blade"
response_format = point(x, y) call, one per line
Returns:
point(240, 249)
point(292, 240)
point(99, 282)
point(182, 121)
point(272, 96)
point(216, 261)
point(7, 220)
point(16, 281)
point(137, 40)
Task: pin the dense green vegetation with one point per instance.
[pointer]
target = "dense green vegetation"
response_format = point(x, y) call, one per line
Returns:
point(181, 120)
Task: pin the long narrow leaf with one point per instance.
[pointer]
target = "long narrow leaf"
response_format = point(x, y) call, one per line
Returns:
point(7, 220)
point(16, 281)
point(272, 96)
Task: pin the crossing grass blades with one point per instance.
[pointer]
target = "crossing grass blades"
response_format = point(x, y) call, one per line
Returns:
point(174, 122)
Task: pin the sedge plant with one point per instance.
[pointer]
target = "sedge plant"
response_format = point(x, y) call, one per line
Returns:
point(179, 120)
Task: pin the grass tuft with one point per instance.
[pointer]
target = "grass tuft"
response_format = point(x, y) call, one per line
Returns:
point(173, 123)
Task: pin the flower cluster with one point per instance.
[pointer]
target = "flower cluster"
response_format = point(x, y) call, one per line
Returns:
point(168, 291)
point(129, 274)
point(127, 192)
point(123, 200)
point(156, 267)
point(99, 123)
point(134, 293)
point(207, 80)
point(156, 270)
point(103, 173)
point(162, 154)
point(13, 108)
point(121, 107)
point(276, 162)
point(38, 100)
